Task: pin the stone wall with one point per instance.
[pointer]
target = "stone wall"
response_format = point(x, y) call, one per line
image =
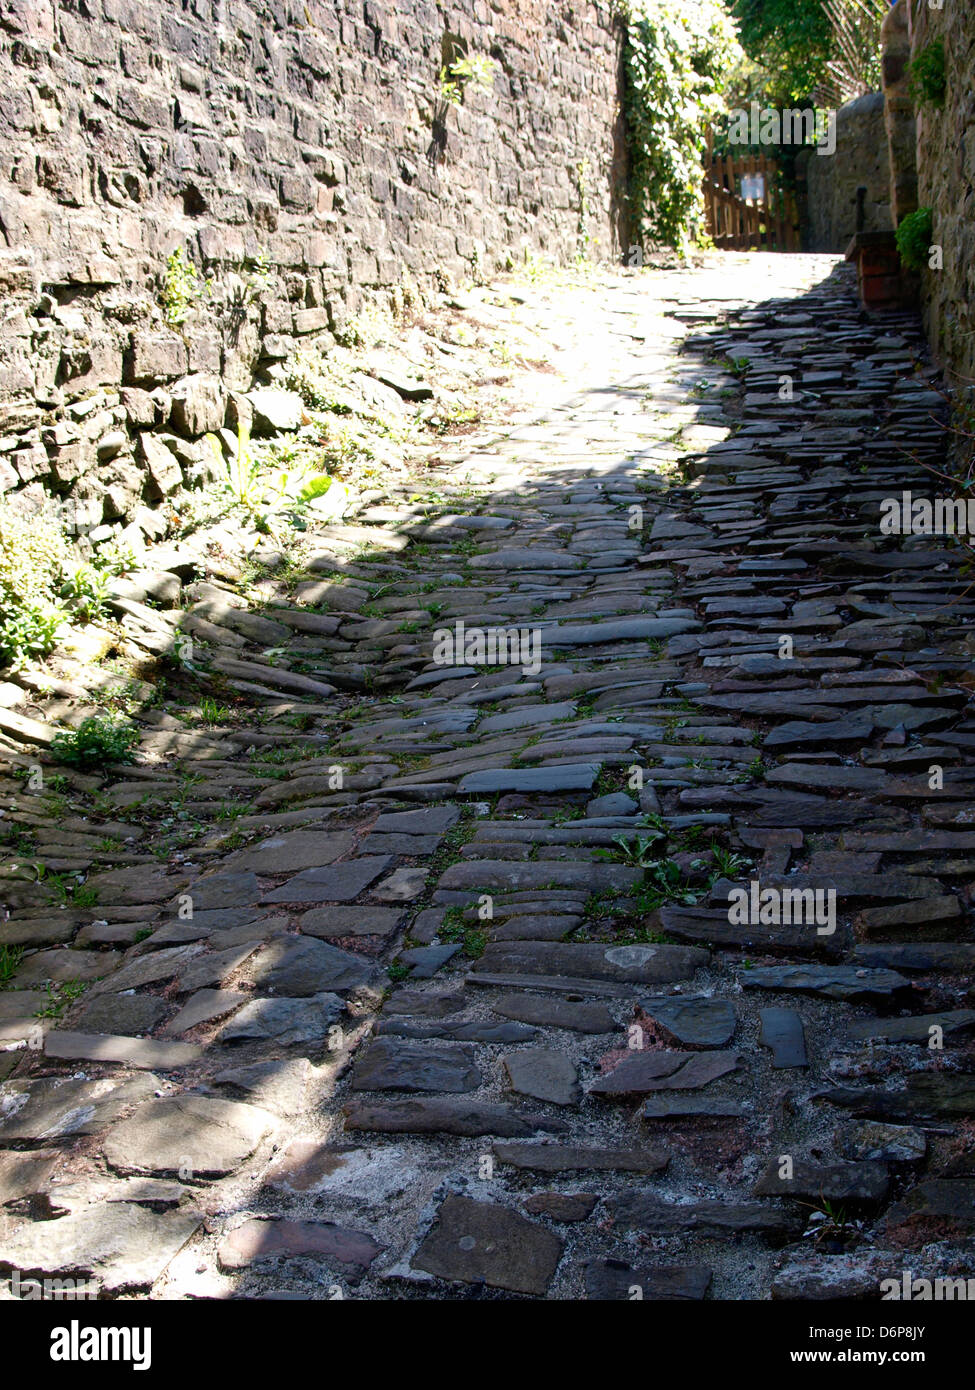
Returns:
point(946, 184)
point(311, 136)
point(831, 181)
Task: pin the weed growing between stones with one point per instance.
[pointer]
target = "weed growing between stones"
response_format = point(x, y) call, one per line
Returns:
point(96, 743)
point(10, 958)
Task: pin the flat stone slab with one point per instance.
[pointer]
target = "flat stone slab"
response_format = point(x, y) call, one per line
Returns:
point(917, 1029)
point(694, 1022)
point(640, 1211)
point(122, 1013)
point(284, 1021)
point(65, 964)
point(943, 1200)
point(817, 1278)
point(651, 1070)
point(278, 1086)
point(18, 1011)
point(425, 1003)
point(188, 1132)
point(833, 981)
point(544, 1074)
point(337, 1249)
point(119, 1245)
point(863, 1183)
point(615, 630)
point(950, 956)
point(37, 931)
point(421, 1116)
point(26, 1175)
point(296, 850)
point(50, 1108)
point(567, 777)
point(562, 1206)
point(526, 559)
point(213, 967)
point(336, 883)
point(886, 1143)
point(146, 968)
point(134, 1052)
point(525, 716)
point(477, 1242)
point(573, 1158)
point(782, 1031)
point(364, 920)
point(928, 1096)
point(300, 966)
point(388, 1064)
point(457, 1032)
point(679, 1106)
point(205, 1006)
point(428, 820)
point(403, 885)
point(638, 965)
point(614, 1280)
point(555, 1013)
point(425, 961)
point(802, 734)
point(141, 883)
point(341, 1170)
point(515, 876)
point(224, 890)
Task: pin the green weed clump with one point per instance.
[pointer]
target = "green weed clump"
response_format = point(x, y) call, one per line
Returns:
point(97, 742)
point(34, 560)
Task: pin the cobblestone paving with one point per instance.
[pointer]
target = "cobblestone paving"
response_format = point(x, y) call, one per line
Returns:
point(451, 1001)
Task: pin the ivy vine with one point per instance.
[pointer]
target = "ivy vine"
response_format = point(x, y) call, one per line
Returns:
point(676, 55)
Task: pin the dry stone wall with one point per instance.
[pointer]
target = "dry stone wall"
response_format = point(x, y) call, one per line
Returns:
point(831, 181)
point(946, 184)
point(302, 156)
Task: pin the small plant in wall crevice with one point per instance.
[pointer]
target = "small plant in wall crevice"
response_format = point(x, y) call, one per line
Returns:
point(914, 238)
point(929, 82)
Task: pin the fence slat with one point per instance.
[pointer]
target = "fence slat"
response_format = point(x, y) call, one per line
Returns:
point(735, 223)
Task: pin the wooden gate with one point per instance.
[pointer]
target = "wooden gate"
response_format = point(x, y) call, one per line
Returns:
point(746, 206)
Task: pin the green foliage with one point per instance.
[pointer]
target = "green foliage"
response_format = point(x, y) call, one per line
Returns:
point(10, 958)
point(34, 557)
point(929, 82)
point(266, 492)
point(642, 851)
point(792, 42)
point(676, 56)
point(59, 996)
point(97, 742)
point(181, 287)
point(914, 238)
point(476, 70)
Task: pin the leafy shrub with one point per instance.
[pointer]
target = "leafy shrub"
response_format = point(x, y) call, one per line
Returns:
point(265, 493)
point(34, 556)
point(676, 57)
point(181, 287)
point(477, 70)
point(96, 743)
point(914, 238)
point(929, 82)
point(791, 42)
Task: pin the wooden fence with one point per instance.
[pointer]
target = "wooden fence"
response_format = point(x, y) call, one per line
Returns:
point(746, 205)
